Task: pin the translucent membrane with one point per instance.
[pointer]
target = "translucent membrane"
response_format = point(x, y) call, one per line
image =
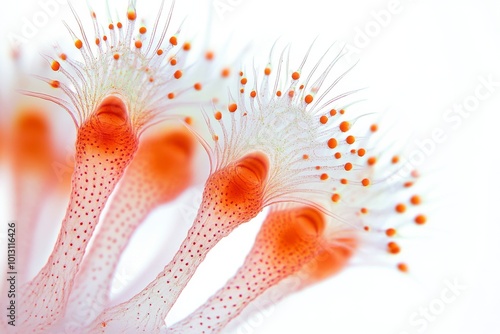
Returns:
point(328, 262)
point(105, 145)
point(159, 173)
point(232, 195)
point(332, 258)
point(288, 239)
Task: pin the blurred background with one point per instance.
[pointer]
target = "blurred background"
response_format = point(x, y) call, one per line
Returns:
point(429, 68)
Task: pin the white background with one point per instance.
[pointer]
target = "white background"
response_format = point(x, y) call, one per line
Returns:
point(426, 59)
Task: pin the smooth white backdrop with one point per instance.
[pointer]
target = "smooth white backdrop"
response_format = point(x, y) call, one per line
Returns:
point(422, 60)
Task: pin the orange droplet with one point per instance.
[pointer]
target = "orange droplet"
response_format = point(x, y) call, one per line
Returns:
point(63, 56)
point(364, 211)
point(343, 181)
point(324, 176)
point(308, 99)
point(173, 40)
point(55, 66)
point(390, 232)
point(415, 200)
point(244, 81)
point(400, 208)
point(78, 44)
point(348, 166)
point(295, 75)
point(138, 44)
point(332, 143)
point(170, 96)
point(55, 83)
point(253, 93)
point(373, 127)
point(365, 182)
point(393, 247)
point(131, 15)
point(178, 74)
point(361, 152)
point(344, 126)
point(403, 267)
point(209, 55)
point(336, 198)
point(420, 219)
point(305, 157)
point(197, 86)
point(337, 155)
point(323, 119)
point(371, 161)
point(232, 107)
point(395, 159)
point(186, 46)
point(333, 112)
point(218, 115)
point(116, 56)
point(350, 140)
point(142, 30)
point(159, 52)
point(225, 72)
point(267, 71)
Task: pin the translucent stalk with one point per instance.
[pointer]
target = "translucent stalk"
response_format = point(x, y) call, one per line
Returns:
point(233, 195)
point(288, 239)
point(105, 145)
point(158, 174)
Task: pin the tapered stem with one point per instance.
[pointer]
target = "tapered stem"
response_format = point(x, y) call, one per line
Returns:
point(232, 196)
point(105, 145)
point(158, 174)
point(288, 239)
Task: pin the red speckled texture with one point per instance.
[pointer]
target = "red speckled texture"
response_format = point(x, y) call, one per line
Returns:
point(233, 195)
point(105, 145)
point(288, 239)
